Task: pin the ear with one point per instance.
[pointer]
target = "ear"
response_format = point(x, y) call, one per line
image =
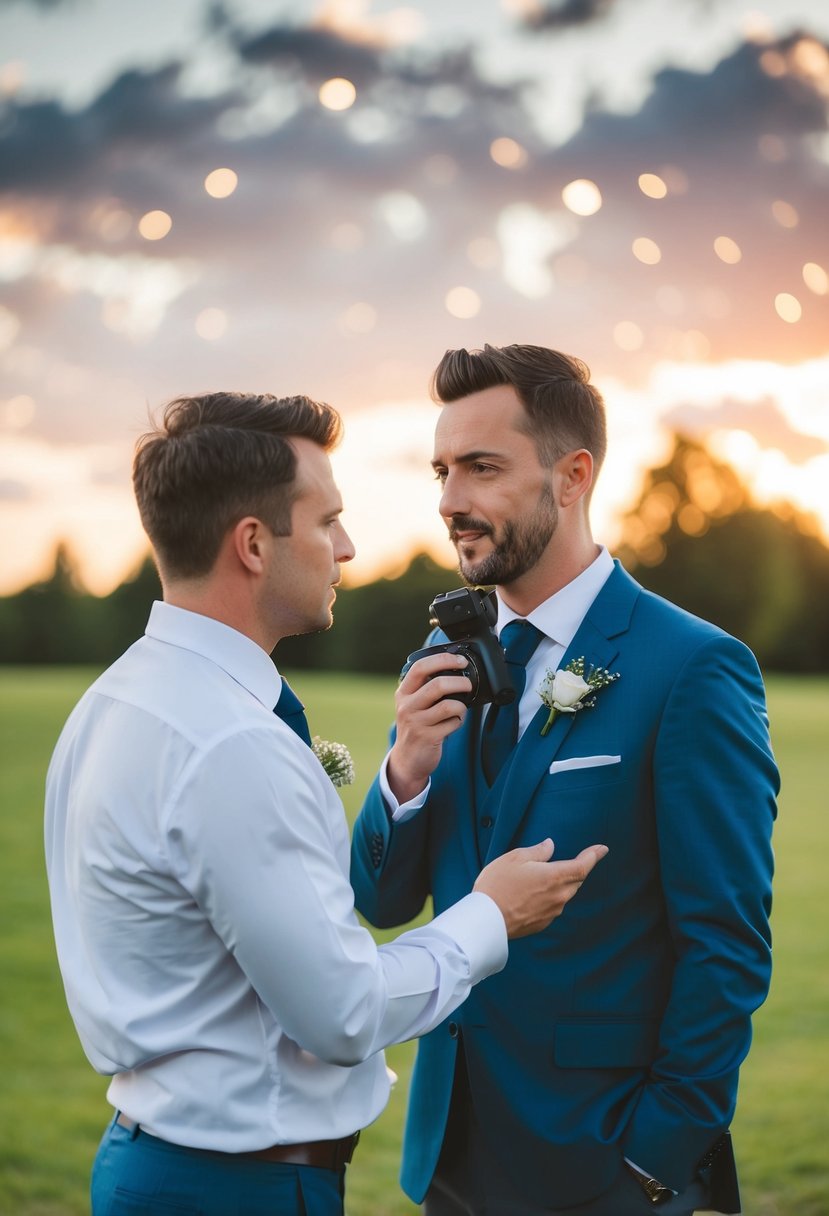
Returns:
point(249, 539)
point(575, 476)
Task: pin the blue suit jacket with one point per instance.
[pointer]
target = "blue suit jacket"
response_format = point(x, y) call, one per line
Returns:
point(619, 1030)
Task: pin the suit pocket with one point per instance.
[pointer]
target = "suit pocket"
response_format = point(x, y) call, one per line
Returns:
point(621, 1044)
point(579, 762)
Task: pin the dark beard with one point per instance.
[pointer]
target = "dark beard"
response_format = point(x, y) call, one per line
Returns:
point(522, 545)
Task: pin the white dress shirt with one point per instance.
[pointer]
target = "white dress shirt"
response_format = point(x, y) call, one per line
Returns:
point(558, 618)
point(198, 860)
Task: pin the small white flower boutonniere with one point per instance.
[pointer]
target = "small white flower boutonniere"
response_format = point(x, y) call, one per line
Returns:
point(569, 689)
point(335, 758)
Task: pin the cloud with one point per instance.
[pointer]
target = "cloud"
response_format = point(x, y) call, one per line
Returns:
point(49, 151)
point(763, 419)
point(388, 207)
point(568, 14)
point(315, 52)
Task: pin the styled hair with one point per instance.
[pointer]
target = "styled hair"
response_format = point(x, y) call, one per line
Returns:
point(563, 410)
point(215, 459)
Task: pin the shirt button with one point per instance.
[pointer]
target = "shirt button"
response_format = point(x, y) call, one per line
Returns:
point(487, 821)
point(453, 1030)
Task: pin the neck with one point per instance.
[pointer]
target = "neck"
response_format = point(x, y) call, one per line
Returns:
point(558, 567)
point(220, 604)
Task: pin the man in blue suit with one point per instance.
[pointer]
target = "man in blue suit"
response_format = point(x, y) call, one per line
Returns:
point(597, 1074)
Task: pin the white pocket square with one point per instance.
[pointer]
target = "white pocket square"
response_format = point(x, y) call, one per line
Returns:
point(562, 766)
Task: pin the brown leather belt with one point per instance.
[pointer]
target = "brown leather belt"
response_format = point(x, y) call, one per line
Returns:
point(323, 1154)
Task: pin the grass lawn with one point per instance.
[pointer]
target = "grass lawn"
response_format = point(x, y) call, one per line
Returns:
point(52, 1105)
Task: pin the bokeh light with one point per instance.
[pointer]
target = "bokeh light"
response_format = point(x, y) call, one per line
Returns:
point(337, 94)
point(508, 153)
point(582, 197)
point(785, 213)
point(211, 324)
point(816, 278)
point(652, 185)
point(154, 225)
point(727, 250)
point(647, 251)
point(787, 307)
point(221, 183)
point(463, 303)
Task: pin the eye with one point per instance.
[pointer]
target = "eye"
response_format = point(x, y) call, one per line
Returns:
point(440, 475)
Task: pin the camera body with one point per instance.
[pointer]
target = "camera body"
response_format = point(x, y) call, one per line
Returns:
point(467, 617)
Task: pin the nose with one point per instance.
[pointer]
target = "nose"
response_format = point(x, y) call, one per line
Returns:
point(452, 500)
point(344, 550)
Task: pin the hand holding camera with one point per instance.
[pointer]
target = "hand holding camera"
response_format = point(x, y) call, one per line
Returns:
point(440, 682)
point(467, 617)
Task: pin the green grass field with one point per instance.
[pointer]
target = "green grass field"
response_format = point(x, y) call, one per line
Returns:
point(52, 1106)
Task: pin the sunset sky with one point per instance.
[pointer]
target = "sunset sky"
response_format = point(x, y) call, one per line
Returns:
point(322, 197)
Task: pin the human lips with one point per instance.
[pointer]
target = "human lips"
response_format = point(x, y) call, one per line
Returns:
point(467, 532)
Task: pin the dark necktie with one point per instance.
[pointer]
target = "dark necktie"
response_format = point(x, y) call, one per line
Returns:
point(290, 709)
point(500, 732)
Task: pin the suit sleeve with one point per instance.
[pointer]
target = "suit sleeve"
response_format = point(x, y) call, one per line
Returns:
point(389, 863)
point(715, 783)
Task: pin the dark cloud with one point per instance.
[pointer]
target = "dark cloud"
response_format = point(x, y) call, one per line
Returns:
point(316, 53)
point(46, 149)
point(763, 419)
point(701, 113)
point(568, 14)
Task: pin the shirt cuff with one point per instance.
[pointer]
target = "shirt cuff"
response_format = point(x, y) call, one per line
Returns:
point(477, 924)
point(400, 812)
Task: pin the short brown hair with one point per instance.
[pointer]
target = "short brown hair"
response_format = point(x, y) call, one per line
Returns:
point(215, 459)
point(564, 410)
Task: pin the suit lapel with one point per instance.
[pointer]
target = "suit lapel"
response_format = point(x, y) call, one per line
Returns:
point(509, 799)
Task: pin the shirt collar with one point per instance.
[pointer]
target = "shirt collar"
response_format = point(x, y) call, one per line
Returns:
point(238, 655)
point(559, 616)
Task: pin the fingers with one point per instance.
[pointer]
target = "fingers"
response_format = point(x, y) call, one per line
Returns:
point(530, 889)
point(573, 872)
point(590, 857)
point(542, 851)
point(429, 682)
point(426, 714)
point(425, 669)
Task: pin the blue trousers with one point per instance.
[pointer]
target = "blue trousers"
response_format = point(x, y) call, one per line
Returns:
point(139, 1175)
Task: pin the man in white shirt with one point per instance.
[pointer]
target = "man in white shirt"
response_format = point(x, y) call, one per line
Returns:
point(197, 853)
point(596, 1075)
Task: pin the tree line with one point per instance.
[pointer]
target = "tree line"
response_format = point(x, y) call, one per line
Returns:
point(694, 535)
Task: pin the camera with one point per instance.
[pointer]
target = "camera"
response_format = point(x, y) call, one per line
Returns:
point(467, 617)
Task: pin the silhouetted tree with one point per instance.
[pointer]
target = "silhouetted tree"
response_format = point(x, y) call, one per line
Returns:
point(695, 537)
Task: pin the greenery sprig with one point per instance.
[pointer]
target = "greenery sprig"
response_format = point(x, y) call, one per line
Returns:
point(335, 758)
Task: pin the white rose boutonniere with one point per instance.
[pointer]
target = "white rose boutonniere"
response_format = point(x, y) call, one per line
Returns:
point(570, 689)
point(335, 758)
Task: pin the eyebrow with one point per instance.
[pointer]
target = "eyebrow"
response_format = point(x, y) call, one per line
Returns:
point(471, 457)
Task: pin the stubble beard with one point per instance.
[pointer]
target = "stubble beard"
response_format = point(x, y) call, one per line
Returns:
point(523, 543)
